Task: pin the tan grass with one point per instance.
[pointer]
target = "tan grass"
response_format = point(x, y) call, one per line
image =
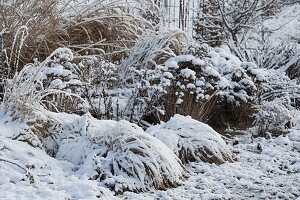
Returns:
point(44, 25)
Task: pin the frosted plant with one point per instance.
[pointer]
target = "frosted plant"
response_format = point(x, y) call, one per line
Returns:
point(274, 117)
point(49, 85)
point(152, 49)
point(86, 27)
point(127, 91)
point(196, 86)
point(277, 85)
point(118, 154)
point(192, 140)
point(137, 161)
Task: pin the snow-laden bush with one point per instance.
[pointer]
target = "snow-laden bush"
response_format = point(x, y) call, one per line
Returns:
point(156, 84)
point(100, 93)
point(201, 86)
point(49, 85)
point(278, 85)
point(273, 117)
point(38, 83)
point(220, 71)
point(192, 140)
point(108, 99)
point(152, 49)
point(278, 98)
point(126, 91)
point(136, 161)
point(120, 155)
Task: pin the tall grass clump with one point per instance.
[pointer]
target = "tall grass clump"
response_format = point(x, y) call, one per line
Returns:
point(39, 87)
point(34, 29)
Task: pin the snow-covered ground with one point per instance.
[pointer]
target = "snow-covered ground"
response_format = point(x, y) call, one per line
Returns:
point(263, 169)
point(270, 173)
point(29, 173)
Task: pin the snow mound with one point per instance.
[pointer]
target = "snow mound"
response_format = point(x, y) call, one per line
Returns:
point(120, 155)
point(16, 130)
point(192, 140)
point(29, 173)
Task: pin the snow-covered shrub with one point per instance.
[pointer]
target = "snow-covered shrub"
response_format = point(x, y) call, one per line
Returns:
point(107, 99)
point(155, 90)
point(120, 155)
point(130, 159)
point(41, 86)
point(278, 85)
point(277, 99)
point(234, 80)
point(195, 86)
point(152, 49)
point(273, 117)
point(126, 91)
point(99, 91)
point(192, 140)
point(279, 96)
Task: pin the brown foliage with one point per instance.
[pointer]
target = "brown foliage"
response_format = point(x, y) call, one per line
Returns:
point(36, 28)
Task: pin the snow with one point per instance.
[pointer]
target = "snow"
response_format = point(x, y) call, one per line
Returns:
point(168, 75)
point(56, 83)
point(48, 178)
point(193, 137)
point(182, 87)
point(223, 83)
point(85, 158)
point(211, 72)
point(199, 83)
point(171, 64)
point(198, 62)
point(190, 86)
point(272, 172)
point(179, 101)
point(188, 73)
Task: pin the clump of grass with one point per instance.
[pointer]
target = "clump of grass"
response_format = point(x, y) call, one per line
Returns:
point(34, 29)
point(153, 49)
point(33, 90)
point(192, 140)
